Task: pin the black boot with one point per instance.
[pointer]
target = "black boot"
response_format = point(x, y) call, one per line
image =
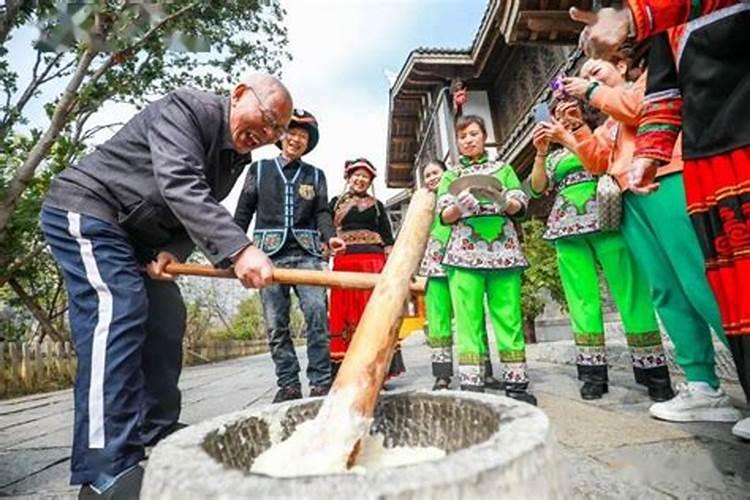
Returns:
point(520, 392)
point(317, 391)
point(593, 390)
point(288, 393)
point(472, 388)
point(595, 381)
point(659, 384)
point(441, 383)
point(491, 382)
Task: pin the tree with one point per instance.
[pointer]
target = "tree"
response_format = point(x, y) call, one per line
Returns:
point(248, 322)
point(542, 274)
point(105, 51)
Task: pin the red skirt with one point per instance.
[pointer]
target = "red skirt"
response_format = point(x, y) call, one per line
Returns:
point(347, 305)
point(717, 189)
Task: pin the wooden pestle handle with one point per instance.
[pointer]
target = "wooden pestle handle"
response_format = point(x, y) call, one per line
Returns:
point(309, 277)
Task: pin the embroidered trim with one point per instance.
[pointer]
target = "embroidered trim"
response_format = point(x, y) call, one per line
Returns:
point(471, 375)
point(575, 178)
point(647, 339)
point(515, 373)
point(431, 265)
point(468, 250)
point(362, 203)
point(648, 357)
point(513, 356)
point(442, 355)
point(591, 355)
point(589, 339)
point(361, 237)
point(471, 359)
point(440, 342)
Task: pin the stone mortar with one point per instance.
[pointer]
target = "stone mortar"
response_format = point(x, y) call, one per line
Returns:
point(496, 448)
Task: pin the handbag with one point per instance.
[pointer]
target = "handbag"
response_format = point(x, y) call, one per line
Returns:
point(608, 203)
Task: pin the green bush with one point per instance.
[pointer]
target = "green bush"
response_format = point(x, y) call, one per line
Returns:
point(248, 323)
point(542, 272)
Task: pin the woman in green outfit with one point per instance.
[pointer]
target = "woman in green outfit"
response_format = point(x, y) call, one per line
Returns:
point(483, 257)
point(438, 298)
point(573, 226)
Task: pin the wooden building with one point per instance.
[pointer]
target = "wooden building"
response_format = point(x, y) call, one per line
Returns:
point(520, 46)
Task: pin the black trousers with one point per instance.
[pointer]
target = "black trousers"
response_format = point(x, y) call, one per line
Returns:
point(162, 359)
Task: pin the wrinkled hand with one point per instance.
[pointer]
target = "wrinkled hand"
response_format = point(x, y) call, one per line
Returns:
point(155, 268)
point(605, 30)
point(336, 245)
point(467, 202)
point(641, 176)
point(576, 86)
point(253, 268)
point(540, 137)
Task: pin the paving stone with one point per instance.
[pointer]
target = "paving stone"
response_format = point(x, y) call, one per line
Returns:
point(603, 446)
point(691, 468)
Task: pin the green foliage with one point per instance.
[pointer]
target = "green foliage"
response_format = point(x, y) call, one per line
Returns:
point(144, 50)
point(248, 323)
point(542, 272)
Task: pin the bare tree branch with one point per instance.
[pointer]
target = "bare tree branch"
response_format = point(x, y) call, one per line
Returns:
point(65, 105)
point(25, 173)
point(19, 262)
point(95, 130)
point(117, 57)
point(36, 310)
point(14, 112)
point(60, 72)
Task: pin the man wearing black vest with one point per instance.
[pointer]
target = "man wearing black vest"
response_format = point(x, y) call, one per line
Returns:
point(291, 201)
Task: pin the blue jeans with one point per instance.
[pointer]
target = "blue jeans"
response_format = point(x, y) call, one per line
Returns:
point(127, 331)
point(314, 304)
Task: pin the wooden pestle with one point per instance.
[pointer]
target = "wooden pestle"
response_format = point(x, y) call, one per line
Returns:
point(283, 276)
point(367, 358)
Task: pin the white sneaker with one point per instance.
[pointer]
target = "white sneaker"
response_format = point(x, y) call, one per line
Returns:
point(742, 428)
point(691, 404)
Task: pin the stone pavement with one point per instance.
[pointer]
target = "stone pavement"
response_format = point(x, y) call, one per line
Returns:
point(609, 448)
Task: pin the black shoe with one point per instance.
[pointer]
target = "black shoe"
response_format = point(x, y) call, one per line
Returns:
point(593, 390)
point(168, 431)
point(491, 382)
point(658, 382)
point(288, 393)
point(125, 487)
point(472, 388)
point(522, 395)
point(660, 392)
point(317, 391)
point(441, 383)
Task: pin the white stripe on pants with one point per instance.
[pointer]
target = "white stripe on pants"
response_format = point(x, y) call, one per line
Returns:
point(101, 332)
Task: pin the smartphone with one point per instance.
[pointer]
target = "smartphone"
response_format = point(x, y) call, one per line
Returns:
point(541, 112)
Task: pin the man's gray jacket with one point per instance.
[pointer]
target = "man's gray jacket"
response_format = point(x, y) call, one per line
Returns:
point(161, 177)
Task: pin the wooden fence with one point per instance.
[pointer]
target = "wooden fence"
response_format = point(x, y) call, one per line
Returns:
point(27, 368)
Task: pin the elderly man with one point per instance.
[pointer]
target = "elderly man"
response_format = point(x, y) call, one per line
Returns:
point(141, 200)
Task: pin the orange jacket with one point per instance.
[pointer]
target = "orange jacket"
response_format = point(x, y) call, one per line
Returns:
point(609, 149)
